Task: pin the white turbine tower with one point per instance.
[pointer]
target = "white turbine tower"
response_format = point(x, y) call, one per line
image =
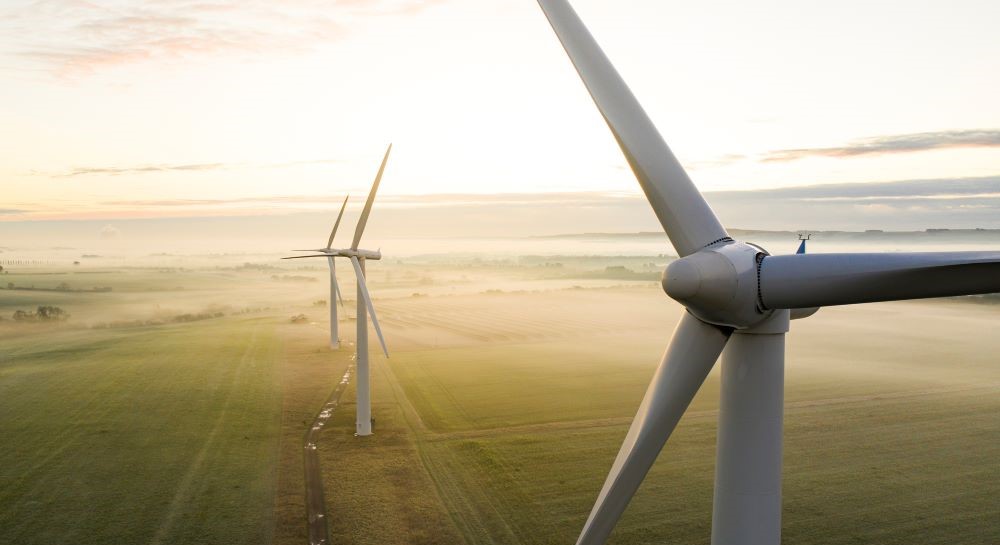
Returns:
point(363, 423)
point(739, 300)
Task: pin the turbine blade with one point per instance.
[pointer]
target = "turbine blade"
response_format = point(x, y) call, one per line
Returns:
point(329, 241)
point(306, 256)
point(682, 211)
point(819, 280)
point(368, 204)
point(368, 302)
point(334, 284)
point(340, 296)
point(691, 354)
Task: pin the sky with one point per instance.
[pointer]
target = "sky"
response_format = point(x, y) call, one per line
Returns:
point(114, 111)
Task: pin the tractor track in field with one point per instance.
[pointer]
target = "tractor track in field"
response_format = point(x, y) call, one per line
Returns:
point(316, 524)
point(569, 425)
point(447, 483)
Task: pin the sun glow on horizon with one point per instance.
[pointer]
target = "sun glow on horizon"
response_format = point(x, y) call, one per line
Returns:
point(262, 109)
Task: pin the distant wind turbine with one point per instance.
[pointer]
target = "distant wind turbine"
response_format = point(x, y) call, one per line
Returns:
point(739, 301)
point(363, 423)
point(335, 294)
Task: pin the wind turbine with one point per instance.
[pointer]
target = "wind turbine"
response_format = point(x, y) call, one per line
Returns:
point(335, 294)
point(363, 422)
point(739, 301)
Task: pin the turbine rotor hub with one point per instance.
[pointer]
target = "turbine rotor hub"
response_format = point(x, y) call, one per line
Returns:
point(719, 284)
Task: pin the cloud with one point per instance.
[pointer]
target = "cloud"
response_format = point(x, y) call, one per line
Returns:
point(906, 189)
point(11, 211)
point(110, 232)
point(114, 171)
point(901, 143)
point(440, 200)
point(74, 37)
point(908, 204)
point(898, 205)
point(182, 167)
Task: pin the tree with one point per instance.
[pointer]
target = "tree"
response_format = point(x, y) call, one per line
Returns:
point(47, 313)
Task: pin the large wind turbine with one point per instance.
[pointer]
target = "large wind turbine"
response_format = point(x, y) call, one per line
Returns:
point(363, 423)
point(739, 301)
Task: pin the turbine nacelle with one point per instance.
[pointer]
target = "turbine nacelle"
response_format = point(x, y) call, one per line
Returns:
point(719, 284)
point(362, 254)
point(374, 255)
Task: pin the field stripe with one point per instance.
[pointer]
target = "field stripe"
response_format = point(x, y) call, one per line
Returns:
point(185, 485)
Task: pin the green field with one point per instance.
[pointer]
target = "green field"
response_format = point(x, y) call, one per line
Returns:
point(891, 426)
point(172, 433)
point(497, 416)
point(164, 433)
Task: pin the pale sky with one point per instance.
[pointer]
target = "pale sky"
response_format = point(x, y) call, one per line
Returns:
point(113, 109)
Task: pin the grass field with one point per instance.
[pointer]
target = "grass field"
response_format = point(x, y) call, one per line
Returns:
point(497, 416)
point(174, 433)
point(891, 423)
point(163, 433)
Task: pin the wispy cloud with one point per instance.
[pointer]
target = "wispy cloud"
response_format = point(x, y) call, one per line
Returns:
point(78, 37)
point(900, 143)
point(967, 202)
point(142, 169)
point(182, 167)
point(446, 200)
point(914, 204)
point(943, 197)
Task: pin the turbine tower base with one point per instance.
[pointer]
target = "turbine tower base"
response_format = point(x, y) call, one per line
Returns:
point(747, 509)
point(363, 423)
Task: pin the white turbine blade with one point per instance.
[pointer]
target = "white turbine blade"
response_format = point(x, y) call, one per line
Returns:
point(334, 284)
point(368, 302)
point(329, 241)
point(682, 211)
point(306, 256)
point(336, 287)
point(818, 280)
point(691, 354)
point(368, 204)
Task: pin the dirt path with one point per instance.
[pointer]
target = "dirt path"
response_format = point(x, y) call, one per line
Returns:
point(319, 531)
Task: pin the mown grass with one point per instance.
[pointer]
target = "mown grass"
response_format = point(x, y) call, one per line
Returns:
point(922, 469)
point(377, 488)
point(151, 435)
point(892, 428)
